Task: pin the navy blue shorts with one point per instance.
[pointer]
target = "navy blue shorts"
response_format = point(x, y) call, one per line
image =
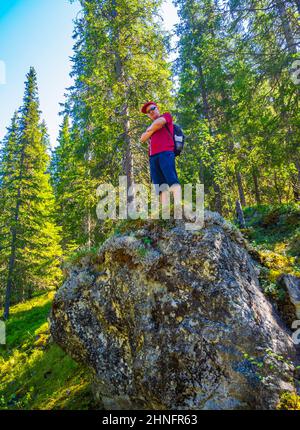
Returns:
point(163, 169)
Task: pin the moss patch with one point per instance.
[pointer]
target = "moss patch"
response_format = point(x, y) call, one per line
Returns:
point(289, 401)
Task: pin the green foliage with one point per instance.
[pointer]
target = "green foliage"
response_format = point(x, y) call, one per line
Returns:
point(271, 230)
point(26, 317)
point(237, 102)
point(294, 244)
point(142, 252)
point(273, 226)
point(271, 288)
point(29, 238)
point(35, 373)
point(147, 240)
point(267, 363)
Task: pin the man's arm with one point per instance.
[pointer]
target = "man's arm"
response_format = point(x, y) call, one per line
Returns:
point(156, 125)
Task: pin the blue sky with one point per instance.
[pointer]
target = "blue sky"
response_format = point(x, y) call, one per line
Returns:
point(39, 33)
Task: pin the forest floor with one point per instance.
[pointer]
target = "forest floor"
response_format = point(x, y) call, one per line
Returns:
point(37, 374)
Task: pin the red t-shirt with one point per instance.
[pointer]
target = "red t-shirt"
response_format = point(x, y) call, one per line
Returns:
point(161, 140)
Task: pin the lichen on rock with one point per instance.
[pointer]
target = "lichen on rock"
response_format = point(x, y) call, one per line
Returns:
point(174, 319)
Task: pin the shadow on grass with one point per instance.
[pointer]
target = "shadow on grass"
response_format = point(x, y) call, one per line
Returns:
point(46, 378)
point(22, 325)
point(35, 373)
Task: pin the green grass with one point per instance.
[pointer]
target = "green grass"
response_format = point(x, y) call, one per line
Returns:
point(35, 372)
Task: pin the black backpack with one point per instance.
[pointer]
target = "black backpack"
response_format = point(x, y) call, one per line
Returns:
point(178, 138)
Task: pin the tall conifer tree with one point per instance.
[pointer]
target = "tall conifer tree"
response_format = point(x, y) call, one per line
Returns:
point(30, 257)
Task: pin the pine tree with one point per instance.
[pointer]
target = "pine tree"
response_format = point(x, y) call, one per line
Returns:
point(32, 257)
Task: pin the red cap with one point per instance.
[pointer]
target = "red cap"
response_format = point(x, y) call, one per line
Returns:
point(144, 108)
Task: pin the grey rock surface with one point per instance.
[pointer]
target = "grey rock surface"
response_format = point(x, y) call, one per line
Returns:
point(172, 319)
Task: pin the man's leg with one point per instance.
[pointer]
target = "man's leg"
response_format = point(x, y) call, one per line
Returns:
point(165, 200)
point(177, 196)
point(157, 179)
point(168, 167)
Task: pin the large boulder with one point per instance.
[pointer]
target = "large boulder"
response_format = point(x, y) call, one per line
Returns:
point(174, 319)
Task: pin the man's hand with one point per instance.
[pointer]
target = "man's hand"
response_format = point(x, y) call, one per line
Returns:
point(145, 136)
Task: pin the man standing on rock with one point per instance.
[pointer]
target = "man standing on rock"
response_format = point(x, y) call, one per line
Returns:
point(161, 152)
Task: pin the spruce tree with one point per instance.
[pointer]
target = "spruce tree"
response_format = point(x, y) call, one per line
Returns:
point(32, 253)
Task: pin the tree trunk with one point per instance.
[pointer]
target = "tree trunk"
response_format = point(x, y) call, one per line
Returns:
point(288, 34)
point(240, 188)
point(12, 258)
point(296, 182)
point(88, 226)
point(127, 160)
point(13, 247)
point(297, 164)
point(240, 214)
point(218, 199)
point(88, 216)
point(296, 190)
point(277, 187)
point(201, 171)
point(127, 163)
point(10, 275)
point(256, 187)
